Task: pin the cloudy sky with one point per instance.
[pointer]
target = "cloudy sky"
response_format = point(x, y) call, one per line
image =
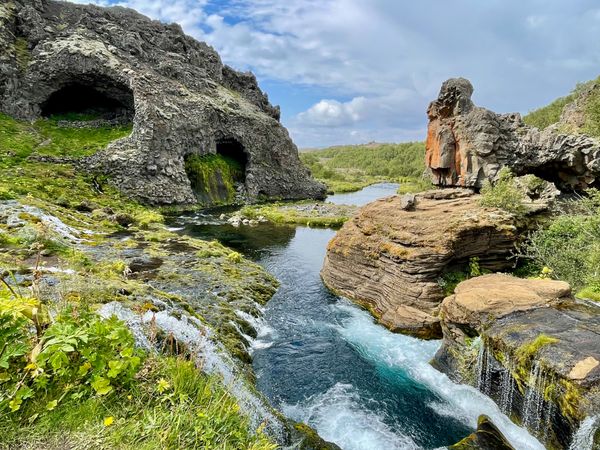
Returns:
point(354, 71)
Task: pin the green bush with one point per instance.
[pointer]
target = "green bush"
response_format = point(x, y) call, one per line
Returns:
point(503, 194)
point(569, 245)
point(74, 356)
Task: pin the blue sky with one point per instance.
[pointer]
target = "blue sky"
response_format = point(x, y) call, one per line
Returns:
point(354, 71)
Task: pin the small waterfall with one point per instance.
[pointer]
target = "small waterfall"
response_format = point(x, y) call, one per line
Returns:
point(537, 412)
point(209, 354)
point(507, 389)
point(484, 369)
point(584, 438)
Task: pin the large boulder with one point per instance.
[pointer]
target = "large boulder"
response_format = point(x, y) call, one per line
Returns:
point(182, 99)
point(467, 145)
point(530, 346)
point(391, 259)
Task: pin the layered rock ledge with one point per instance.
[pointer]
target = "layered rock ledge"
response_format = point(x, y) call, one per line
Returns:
point(530, 346)
point(391, 255)
point(62, 58)
point(467, 145)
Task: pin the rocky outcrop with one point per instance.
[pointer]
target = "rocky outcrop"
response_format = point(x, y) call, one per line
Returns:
point(391, 259)
point(58, 57)
point(530, 346)
point(467, 145)
point(486, 437)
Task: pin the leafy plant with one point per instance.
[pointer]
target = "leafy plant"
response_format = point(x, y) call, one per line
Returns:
point(78, 354)
point(503, 194)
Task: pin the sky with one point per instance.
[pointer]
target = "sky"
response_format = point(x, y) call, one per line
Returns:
point(356, 71)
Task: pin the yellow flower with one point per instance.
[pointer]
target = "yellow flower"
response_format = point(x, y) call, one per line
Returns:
point(163, 385)
point(108, 421)
point(129, 397)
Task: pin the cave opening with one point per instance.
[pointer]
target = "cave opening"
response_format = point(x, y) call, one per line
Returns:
point(97, 98)
point(235, 155)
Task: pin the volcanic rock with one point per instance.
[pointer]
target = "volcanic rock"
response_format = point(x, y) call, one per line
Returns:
point(467, 145)
point(391, 260)
point(58, 58)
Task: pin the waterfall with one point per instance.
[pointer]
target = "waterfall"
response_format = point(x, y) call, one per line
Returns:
point(584, 438)
point(507, 389)
point(209, 354)
point(484, 370)
point(536, 411)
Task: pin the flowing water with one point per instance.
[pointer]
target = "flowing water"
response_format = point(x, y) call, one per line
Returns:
point(325, 362)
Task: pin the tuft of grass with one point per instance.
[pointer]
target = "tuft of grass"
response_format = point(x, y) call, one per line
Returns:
point(504, 194)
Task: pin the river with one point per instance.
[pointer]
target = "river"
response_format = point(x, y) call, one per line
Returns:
point(325, 362)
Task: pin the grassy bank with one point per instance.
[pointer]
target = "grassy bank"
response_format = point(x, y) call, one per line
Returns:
point(351, 168)
point(70, 243)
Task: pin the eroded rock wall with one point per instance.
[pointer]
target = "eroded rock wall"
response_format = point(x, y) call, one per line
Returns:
point(185, 100)
point(391, 259)
point(467, 145)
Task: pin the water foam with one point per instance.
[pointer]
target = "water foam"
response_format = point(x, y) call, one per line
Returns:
point(412, 356)
point(340, 415)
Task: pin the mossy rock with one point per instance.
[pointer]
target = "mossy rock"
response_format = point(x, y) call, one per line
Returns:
point(486, 437)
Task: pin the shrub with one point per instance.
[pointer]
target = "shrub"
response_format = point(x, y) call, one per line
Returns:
point(76, 355)
point(569, 245)
point(503, 194)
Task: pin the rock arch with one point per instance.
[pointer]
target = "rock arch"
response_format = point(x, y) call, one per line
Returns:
point(234, 152)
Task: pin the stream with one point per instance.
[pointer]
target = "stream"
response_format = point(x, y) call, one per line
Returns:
point(324, 361)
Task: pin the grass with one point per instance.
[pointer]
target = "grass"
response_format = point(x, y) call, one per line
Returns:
point(351, 168)
point(288, 213)
point(173, 405)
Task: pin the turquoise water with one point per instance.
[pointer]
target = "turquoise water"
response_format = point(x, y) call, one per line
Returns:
point(325, 362)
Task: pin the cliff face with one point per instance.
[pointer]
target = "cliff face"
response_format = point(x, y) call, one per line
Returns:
point(467, 145)
point(59, 58)
point(391, 255)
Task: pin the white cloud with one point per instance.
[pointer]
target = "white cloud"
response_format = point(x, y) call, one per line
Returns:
point(390, 57)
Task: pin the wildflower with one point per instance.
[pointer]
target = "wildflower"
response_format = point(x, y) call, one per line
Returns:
point(108, 421)
point(163, 385)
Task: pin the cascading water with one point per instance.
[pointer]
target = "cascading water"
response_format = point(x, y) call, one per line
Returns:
point(325, 362)
point(584, 438)
point(484, 369)
point(507, 389)
point(534, 414)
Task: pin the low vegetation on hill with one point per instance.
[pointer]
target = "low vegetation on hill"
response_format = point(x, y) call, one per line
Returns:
point(584, 105)
point(350, 168)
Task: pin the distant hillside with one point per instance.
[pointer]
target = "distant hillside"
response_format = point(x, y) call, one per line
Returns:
point(578, 112)
point(351, 167)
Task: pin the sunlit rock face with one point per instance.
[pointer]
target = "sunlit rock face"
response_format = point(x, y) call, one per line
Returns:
point(467, 145)
point(58, 58)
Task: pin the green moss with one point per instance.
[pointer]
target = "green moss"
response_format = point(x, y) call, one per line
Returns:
point(213, 177)
point(530, 349)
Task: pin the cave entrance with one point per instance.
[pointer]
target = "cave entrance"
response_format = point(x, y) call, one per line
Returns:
point(236, 157)
point(98, 98)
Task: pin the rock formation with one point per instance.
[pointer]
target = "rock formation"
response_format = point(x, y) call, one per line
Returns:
point(467, 145)
point(391, 259)
point(58, 57)
point(537, 352)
